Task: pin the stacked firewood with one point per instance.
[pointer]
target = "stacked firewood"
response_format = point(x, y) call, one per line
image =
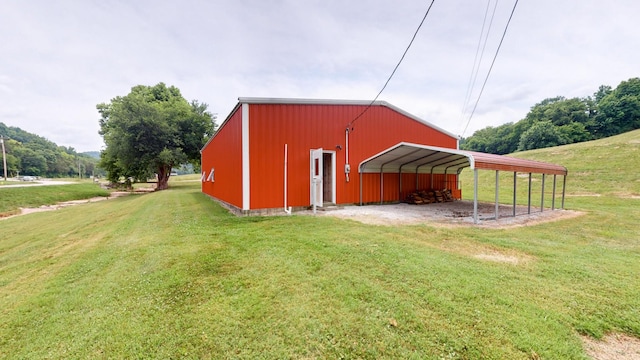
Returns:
point(446, 194)
point(429, 196)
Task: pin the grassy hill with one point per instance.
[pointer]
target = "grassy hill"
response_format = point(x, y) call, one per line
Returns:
point(605, 167)
point(173, 275)
point(600, 168)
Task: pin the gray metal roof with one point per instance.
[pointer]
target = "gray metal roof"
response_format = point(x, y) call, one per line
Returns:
point(416, 158)
point(299, 101)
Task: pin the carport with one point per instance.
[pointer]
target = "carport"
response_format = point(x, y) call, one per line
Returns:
point(422, 159)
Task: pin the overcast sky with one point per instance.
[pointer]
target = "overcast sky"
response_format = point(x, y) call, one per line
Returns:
point(58, 59)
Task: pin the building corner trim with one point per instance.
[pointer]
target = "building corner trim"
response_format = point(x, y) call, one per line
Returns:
point(246, 182)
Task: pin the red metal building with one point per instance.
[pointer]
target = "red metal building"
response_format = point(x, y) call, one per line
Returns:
point(280, 153)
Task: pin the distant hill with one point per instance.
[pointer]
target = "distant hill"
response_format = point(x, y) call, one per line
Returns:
point(34, 155)
point(93, 154)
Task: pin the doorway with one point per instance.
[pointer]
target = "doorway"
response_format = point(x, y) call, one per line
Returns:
point(327, 178)
point(322, 177)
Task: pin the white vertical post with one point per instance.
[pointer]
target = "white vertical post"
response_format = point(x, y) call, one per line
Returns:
point(553, 199)
point(529, 199)
point(286, 164)
point(246, 178)
point(475, 196)
point(497, 195)
point(542, 196)
point(564, 189)
point(313, 193)
point(346, 154)
point(515, 182)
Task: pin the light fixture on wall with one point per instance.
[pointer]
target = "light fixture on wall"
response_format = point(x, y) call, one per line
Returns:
point(338, 147)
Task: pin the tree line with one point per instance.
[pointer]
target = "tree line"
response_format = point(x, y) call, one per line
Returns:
point(33, 155)
point(559, 121)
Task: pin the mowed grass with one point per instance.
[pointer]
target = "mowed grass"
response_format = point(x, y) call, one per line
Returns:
point(173, 275)
point(12, 198)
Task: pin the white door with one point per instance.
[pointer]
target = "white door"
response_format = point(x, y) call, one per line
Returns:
point(316, 193)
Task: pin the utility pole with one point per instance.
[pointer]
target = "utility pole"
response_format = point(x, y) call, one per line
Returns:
point(4, 158)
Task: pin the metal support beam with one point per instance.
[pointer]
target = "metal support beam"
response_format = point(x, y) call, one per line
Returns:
point(381, 186)
point(515, 182)
point(529, 200)
point(553, 199)
point(564, 188)
point(360, 171)
point(542, 195)
point(497, 195)
point(475, 196)
point(400, 184)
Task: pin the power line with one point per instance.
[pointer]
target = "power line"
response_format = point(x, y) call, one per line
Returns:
point(504, 33)
point(473, 77)
point(394, 69)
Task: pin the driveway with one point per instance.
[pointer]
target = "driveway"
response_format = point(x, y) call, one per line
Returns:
point(38, 183)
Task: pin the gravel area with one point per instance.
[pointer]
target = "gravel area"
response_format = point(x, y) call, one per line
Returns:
point(613, 347)
point(457, 213)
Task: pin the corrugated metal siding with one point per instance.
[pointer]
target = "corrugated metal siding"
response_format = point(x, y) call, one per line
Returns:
point(304, 127)
point(440, 182)
point(507, 163)
point(224, 154)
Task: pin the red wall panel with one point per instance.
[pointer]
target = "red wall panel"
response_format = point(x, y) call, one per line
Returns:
point(224, 154)
point(305, 127)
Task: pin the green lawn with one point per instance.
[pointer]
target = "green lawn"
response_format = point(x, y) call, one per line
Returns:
point(172, 275)
point(12, 198)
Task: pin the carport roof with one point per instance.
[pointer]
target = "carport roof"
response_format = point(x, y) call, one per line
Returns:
point(408, 157)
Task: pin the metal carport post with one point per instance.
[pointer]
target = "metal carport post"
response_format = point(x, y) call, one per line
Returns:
point(475, 196)
point(497, 194)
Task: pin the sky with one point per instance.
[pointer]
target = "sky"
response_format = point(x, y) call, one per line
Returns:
point(59, 59)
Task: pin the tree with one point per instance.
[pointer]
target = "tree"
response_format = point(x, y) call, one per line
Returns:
point(574, 133)
point(608, 112)
point(603, 91)
point(619, 110)
point(32, 163)
point(151, 130)
point(495, 140)
point(541, 135)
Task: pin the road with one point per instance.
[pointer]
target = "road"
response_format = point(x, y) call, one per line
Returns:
point(38, 183)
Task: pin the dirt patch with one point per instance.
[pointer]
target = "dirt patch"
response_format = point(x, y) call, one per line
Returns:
point(583, 194)
point(457, 213)
point(626, 195)
point(613, 347)
point(26, 211)
point(482, 252)
point(514, 260)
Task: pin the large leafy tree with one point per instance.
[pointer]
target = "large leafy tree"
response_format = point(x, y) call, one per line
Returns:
point(541, 135)
point(619, 110)
point(151, 130)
